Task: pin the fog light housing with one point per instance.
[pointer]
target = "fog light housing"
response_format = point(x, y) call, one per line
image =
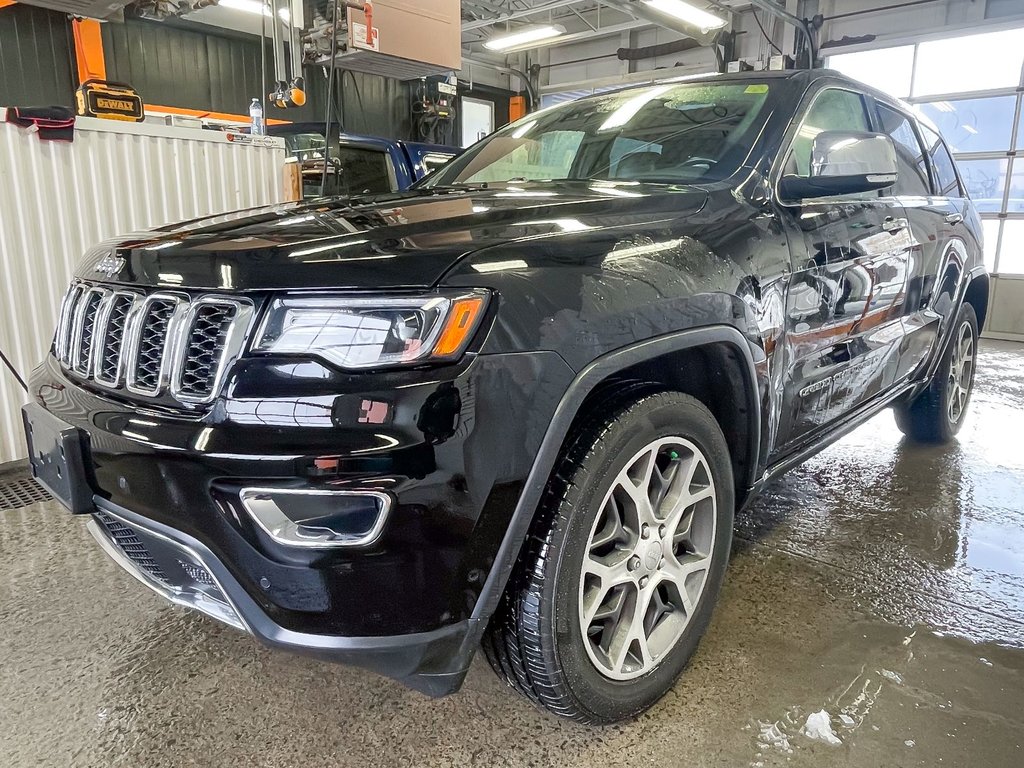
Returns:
point(318, 519)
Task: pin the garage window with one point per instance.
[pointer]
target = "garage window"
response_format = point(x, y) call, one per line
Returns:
point(913, 168)
point(942, 162)
point(978, 106)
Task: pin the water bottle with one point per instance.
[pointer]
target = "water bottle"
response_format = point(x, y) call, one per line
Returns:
point(256, 117)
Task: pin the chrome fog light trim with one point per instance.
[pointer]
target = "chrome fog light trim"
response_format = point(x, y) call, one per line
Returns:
point(268, 515)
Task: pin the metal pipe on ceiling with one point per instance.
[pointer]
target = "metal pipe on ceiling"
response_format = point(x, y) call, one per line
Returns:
point(514, 15)
point(801, 24)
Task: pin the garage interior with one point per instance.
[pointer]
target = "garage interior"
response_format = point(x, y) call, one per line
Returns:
point(881, 581)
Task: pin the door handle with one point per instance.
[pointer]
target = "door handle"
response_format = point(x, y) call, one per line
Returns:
point(894, 225)
point(954, 218)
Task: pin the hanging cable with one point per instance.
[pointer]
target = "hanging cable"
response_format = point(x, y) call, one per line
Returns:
point(766, 37)
point(330, 93)
point(14, 370)
point(263, 56)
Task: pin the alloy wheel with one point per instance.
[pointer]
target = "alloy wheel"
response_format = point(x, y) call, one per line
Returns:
point(648, 558)
point(961, 371)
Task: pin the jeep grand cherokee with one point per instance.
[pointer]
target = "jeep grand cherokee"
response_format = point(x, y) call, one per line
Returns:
point(518, 405)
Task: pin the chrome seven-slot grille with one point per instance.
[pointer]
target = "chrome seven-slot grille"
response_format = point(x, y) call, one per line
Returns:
point(150, 344)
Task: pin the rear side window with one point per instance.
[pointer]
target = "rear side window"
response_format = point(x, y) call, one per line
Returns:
point(832, 110)
point(942, 162)
point(913, 168)
point(364, 170)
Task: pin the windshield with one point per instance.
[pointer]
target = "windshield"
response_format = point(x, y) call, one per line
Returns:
point(673, 133)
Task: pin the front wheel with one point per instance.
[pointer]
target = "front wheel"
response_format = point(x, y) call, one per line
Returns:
point(937, 414)
point(624, 563)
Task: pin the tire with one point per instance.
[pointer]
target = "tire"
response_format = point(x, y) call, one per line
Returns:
point(537, 641)
point(936, 415)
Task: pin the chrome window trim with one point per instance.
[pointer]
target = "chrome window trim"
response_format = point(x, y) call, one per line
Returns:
point(279, 530)
point(233, 343)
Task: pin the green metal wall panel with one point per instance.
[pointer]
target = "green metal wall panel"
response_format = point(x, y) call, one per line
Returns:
point(36, 57)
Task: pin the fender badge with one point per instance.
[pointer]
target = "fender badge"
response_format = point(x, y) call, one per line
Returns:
point(109, 265)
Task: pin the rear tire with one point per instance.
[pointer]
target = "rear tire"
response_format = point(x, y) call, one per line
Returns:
point(613, 593)
point(937, 414)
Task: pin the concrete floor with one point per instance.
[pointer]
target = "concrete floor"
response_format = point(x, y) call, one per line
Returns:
point(881, 582)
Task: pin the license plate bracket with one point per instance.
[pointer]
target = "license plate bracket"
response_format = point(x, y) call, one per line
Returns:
point(57, 454)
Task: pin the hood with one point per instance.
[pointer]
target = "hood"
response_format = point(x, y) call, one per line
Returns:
point(406, 240)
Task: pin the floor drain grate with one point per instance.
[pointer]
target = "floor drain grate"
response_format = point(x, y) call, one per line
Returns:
point(20, 493)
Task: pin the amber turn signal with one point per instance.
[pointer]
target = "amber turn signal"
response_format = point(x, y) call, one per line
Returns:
point(458, 330)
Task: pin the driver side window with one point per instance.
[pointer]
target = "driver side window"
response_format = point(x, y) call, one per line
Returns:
point(832, 110)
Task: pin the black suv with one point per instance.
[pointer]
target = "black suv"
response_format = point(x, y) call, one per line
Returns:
point(517, 405)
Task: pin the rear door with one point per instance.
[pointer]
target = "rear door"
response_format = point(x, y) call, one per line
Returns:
point(849, 280)
point(930, 193)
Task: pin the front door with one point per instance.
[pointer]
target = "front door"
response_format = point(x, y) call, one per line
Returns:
point(843, 307)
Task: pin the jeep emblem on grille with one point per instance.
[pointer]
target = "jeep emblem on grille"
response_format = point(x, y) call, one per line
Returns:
point(109, 265)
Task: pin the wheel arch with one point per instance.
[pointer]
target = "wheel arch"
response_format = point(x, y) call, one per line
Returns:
point(593, 384)
point(977, 295)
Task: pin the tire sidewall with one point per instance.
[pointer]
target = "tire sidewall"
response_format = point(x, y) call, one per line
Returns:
point(654, 417)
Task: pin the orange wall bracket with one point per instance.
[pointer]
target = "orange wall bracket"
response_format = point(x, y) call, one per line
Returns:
point(89, 50)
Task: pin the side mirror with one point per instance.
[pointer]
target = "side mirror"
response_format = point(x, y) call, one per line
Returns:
point(844, 163)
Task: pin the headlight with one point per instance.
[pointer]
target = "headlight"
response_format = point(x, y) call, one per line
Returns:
point(373, 332)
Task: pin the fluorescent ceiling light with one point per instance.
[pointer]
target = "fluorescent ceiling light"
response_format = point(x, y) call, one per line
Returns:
point(683, 11)
point(253, 6)
point(630, 107)
point(524, 37)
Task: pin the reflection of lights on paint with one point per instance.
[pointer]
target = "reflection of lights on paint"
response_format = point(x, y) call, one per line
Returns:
point(500, 266)
point(643, 250)
point(226, 276)
point(292, 222)
point(480, 209)
point(378, 257)
point(566, 225)
point(203, 438)
point(389, 442)
point(524, 194)
point(614, 191)
point(523, 129)
point(970, 129)
point(161, 246)
point(329, 247)
point(170, 277)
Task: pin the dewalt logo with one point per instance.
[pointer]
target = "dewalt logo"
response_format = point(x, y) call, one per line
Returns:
point(124, 106)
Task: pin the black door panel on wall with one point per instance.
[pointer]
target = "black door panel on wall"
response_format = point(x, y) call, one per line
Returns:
point(178, 64)
point(36, 57)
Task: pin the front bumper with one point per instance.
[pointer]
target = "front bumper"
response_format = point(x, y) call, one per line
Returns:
point(453, 454)
point(184, 571)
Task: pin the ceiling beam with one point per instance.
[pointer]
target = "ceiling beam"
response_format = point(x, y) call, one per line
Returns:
point(513, 15)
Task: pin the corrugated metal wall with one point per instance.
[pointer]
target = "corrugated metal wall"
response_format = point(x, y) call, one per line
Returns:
point(36, 57)
point(58, 199)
